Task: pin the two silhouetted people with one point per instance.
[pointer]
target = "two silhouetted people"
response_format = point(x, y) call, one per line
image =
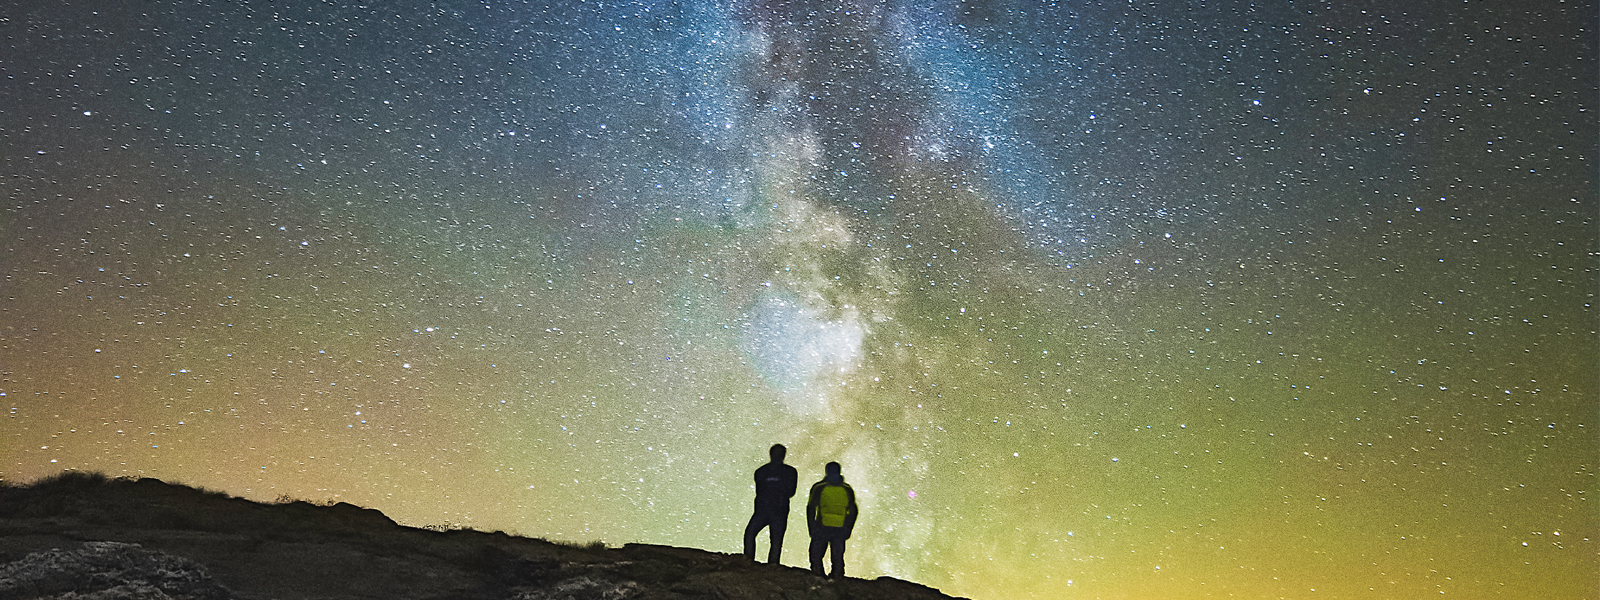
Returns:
point(830, 512)
point(775, 483)
point(831, 516)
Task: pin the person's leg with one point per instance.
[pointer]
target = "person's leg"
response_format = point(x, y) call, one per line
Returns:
point(837, 548)
point(819, 544)
point(757, 521)
point(779, 524)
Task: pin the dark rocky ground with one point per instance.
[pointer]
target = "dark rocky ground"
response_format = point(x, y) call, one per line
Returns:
point(84, 537)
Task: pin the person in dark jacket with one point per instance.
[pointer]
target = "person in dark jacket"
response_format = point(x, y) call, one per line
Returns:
point(775, 483)
point(831, 516)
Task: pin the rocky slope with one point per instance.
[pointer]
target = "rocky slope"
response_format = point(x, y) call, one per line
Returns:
point(86, 537)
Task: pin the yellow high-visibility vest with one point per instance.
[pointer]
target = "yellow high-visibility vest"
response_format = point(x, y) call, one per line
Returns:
point(833, 505)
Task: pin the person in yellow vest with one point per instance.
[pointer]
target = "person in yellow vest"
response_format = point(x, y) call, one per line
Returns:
point(831, 516)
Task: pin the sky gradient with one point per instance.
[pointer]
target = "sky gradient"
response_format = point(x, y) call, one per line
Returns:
point(1091, 300)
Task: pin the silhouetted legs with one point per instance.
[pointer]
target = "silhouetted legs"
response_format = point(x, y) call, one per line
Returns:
point(778, 523)
point(825, 540)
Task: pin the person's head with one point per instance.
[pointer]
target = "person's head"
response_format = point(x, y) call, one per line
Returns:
point(831, 469)
point(777, 452)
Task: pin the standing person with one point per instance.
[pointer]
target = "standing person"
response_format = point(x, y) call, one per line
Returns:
point(775, 483)
point(831, 516)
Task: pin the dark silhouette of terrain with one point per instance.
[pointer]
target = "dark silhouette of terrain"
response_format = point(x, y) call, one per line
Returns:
point(85, 536)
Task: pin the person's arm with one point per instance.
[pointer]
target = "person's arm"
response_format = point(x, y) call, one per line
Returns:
point(811, 510)
point(850, 513)
point(792, 481)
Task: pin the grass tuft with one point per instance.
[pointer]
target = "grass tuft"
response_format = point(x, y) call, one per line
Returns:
point(71, 480)
point(594, 546)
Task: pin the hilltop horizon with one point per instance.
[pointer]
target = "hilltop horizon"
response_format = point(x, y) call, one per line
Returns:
point(89, 533)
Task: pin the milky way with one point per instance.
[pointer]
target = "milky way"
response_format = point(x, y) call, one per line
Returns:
point(1115, 300)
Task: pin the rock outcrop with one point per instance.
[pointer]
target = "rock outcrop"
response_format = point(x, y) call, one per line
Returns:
point(108, 571)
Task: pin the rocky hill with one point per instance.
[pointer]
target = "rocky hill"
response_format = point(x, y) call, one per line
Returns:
point(86, 537)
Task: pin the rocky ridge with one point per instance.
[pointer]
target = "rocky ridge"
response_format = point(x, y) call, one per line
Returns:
point(83, 537)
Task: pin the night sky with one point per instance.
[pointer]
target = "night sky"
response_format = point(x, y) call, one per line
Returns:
point(1092, 300)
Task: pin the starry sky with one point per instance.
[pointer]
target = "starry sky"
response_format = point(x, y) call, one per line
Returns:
point(1091, 300)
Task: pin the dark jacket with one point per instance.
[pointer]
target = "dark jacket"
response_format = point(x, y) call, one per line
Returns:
point(775, 483)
